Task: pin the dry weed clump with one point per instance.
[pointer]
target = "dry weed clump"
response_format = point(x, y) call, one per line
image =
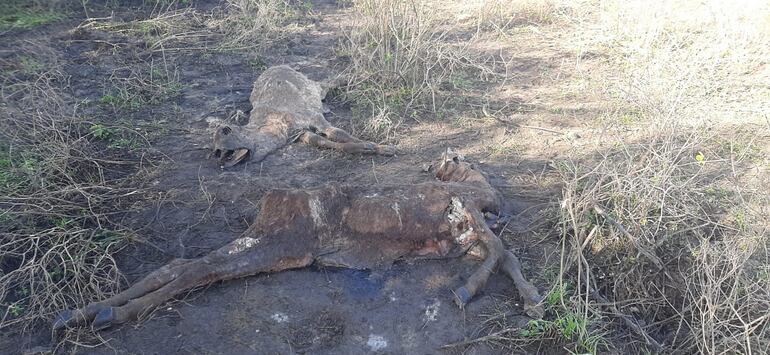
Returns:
point(62, 192)
point(164, 29)
point(399, 53)
point(134, 87)
point(658, 236)
point(665, 225)
point(254, 24)
point(234, 25)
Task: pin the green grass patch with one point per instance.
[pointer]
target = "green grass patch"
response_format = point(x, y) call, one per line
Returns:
point(16, 14)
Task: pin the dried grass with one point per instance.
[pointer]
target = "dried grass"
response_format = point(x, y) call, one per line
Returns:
point(399, 53)
point(254, 24)
point(62, 192)
point(668, 222)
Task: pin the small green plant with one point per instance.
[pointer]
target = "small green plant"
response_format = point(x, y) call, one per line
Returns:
point(63, 222)
point(16, 310)
point(99, 131)
point(146, 86)
point(30, 65)
point(258, 63)
point(123, 143)
point(107, 240)
point(116, 138)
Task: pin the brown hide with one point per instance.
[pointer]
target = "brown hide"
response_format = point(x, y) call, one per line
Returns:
point(340, 225)
point(359, 227)
point(286, 107)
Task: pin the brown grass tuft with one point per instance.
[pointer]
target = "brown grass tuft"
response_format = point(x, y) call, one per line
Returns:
point(399, 53)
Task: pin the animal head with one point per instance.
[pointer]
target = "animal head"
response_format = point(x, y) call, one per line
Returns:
point(452, 167)
point(231, 145)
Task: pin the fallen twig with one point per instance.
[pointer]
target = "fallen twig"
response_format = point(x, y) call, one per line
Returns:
point(628, 321)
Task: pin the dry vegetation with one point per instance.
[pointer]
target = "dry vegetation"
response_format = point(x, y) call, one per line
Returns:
point(671, 202)
point(663, 217)
point(399, 54)
point(63, 188)
point(68, 179)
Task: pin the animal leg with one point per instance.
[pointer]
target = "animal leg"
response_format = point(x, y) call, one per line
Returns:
point(151, 282)
point(340, 135)
point(512, 267)
point(494, 254)
point(353, 147)
point(242, 257)
point(203, 272)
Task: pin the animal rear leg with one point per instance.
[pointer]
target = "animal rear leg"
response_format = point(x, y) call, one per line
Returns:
point(151, 282)
point(340, 135)
point(494, 254)
point(217, 266)
point(342, 141)
point(316, 140)
point(512, 267)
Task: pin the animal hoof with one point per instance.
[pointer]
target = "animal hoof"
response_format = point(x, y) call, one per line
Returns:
point(388, 150)
point(104, 318)
point(62, 320)
point(535, 311)
point(462, 296)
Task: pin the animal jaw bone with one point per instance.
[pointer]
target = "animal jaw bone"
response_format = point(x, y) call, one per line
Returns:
point(286, 107)
point(339, 225)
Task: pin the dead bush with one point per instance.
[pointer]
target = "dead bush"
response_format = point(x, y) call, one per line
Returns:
point(658, 229)
point(399, 53)
point(63, 189)
point(665, 228)
point(254, 24)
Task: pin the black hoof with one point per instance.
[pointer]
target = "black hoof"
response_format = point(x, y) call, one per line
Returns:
point(62, 320)
point(462, 296)
point(104, 319)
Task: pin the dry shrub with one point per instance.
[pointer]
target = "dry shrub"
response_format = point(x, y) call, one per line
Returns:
point(135, 86)
point(234, 25)
point(654, 226)
point(252, 24)
point(164, 29)
point(62, 193)
point(665, 229)
point(399, 53)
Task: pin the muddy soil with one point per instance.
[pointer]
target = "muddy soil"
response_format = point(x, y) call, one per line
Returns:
point(196, 207)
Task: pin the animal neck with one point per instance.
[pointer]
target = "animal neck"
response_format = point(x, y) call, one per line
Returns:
point(464, 173)
point(263, 143)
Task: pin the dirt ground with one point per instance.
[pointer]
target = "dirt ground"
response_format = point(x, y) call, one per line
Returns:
point(195, 207)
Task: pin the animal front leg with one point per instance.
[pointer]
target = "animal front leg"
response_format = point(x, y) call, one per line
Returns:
point(341, 136)
point(494, 254)
point(528, 292)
